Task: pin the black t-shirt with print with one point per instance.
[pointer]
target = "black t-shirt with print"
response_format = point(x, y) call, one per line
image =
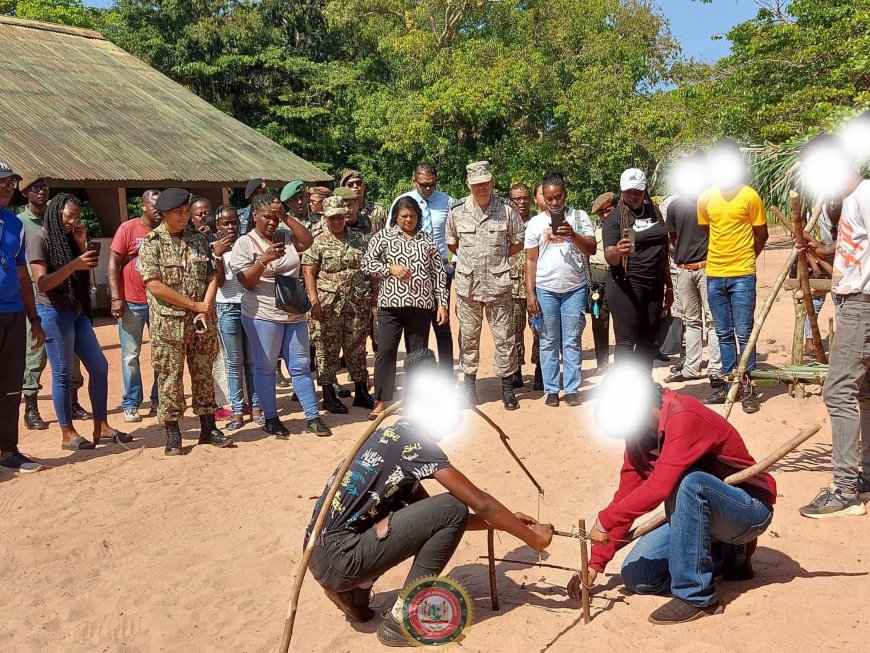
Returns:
point(381, 479)
point(651, 245)
point(692, 239)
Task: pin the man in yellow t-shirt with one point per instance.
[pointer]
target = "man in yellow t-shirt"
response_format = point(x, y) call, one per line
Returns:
point(734, 216)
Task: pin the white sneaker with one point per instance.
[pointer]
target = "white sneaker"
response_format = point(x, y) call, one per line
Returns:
point(132, 415)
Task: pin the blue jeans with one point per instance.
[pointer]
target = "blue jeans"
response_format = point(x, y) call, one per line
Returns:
point(269, 340)
point(68, 333)
point(732, 303)
point(130, 329)
point(818, 302)
point(707, 522)
point(238, 357)
point(564, 320)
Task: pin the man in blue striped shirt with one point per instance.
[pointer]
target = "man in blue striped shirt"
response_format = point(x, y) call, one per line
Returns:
point(435, 206)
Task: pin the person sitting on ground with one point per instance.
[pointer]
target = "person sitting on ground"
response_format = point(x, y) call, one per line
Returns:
point(678, 452)
point(382, 515)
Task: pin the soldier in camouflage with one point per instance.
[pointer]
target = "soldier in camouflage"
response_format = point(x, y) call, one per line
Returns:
point(370, 212)
point(483, 232)
point(181, 286)
point(340, 305)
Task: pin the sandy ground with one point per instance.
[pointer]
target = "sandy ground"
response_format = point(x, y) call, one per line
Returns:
point(124, 550)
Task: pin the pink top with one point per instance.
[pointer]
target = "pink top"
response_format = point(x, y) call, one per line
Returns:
point(127, 241)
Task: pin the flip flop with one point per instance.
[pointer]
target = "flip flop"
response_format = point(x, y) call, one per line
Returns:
point(120, 437)
point(233, 425)
point(79, 444)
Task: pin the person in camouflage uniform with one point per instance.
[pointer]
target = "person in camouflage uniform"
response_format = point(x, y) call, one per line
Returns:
point(294, 200)
point(340, 301)
point(370, 212)
point(181, 287)
point(521, 196)
point(483, 232)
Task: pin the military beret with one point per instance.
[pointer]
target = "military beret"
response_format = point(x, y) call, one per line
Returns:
point(320, 190)
point(345, 193)
point(292, 189)
point(28, 179)
point(349, 174)
point(253, 185)
point(172, 198)
point(600, 200)
point(333, 205)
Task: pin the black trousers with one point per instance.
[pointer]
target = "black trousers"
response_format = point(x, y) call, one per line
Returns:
point(13, 340)
point(636, 308)
point(428, 530)
point(444, 336)
point(601, 324)
point(414, 322)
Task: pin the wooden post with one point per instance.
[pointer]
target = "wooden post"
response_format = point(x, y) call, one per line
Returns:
point(797, 346)
point(584, 573)
point(490, 555)
point(804, 276)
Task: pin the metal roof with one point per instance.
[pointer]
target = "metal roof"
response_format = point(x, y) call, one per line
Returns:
point(76, 107)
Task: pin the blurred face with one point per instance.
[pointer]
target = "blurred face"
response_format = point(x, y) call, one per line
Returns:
point(554, 198)
point(200, 213)
point(71, 217)
point(335, 223)
point(523, 200)
point(37, 194)
point(7, 189)
point(633, 198)
point(177, 219)
point(152, 217)
point(315, 202)
point(228, 224)
point(482, 193)
point(265, 222)
point(425, 185)
point(407, 220)
point(357, 185)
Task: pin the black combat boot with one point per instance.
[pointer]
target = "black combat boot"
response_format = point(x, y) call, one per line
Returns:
point(330, 401)
point(209, 433)
point(340, 391)
point(539, 378)
point(518, 379)
point(507, 393)
point(173, 439)
point(32, 419)
point(361, 396)
point(78, 411)
point(471, 389)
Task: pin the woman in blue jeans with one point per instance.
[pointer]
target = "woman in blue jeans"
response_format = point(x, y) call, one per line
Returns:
point(61, 261)
point(238, 357)
point(557, 284)
point(257, 258)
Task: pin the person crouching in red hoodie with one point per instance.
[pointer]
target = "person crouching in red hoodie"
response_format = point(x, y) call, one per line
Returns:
point(682, 459)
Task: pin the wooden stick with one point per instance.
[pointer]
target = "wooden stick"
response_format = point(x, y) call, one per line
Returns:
point(584, 573)
point(735, 479)
point(302, 568)
point(814, 261)
point(803, 275)
point(797, 345)
point(490, 554)
point(759, 322)
point(530, 563)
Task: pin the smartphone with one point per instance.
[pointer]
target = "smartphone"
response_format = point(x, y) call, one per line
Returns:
point(280, 236)
point(221, 233)
point(557, 220)
point(199, 325)
point(631, 235)
point(94, 246)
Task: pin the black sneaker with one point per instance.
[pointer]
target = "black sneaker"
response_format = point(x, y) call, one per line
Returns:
point(572, 399)
point(677, 367)
point(831, 502)
point(20, 463)
point(864, 489)
point(552, 400)
point(354, 603)
point(318, 427)
point(716, 381)
point(677, 611)
point(79, 412)
point(719, 396)
point(274, 426)
point(391, 634)
point(749, 400)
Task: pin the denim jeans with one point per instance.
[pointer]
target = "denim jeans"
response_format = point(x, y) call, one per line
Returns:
point(428, 530)
point(238, 357)
point(68, 333)
point(290, 341)
point(818, 302)
point(707, 522)
point(564, 320)
point(130, 329)
point(732, 303)
point(847, 394)
point(691, 288)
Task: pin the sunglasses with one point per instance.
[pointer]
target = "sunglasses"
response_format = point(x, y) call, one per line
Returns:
point(427, 186)
point(353, 182)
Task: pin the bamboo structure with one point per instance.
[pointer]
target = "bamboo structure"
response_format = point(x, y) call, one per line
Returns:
point(804, 277)
point(584, 573)
point(815, 263)
point(490, 555)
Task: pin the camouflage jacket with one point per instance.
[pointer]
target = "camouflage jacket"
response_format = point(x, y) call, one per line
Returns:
point(339, 264)
point(376, 216)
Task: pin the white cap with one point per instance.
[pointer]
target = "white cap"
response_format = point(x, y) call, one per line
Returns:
point(632, 179)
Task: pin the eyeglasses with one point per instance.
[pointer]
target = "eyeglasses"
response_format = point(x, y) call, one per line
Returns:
point(522, 198)
point(7, 182)
point(353, 182)
point(429, 186)
point(37, 188)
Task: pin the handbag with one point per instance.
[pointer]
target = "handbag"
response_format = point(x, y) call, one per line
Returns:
point(290, 294)
point(670, 334)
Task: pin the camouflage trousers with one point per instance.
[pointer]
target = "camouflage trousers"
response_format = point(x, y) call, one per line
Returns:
point(521, 317)
point(500, 315)
point(168, 356)
point(345, 327)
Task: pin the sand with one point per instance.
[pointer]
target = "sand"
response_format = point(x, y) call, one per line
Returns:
point(121, 549)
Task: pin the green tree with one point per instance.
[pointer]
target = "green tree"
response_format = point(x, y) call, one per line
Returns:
point(65, 12)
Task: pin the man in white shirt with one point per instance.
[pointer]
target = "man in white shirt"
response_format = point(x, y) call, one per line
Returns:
point(846, 392)
point(557, 286)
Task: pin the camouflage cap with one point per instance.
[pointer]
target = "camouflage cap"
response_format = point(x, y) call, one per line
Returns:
point(344, 193)
point(478, 172)
point(333, 205)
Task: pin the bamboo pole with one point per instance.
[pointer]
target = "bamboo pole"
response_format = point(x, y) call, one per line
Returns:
point(804, 276)
point(765, 309)
point(735, 479)
point(797, 345)
point(490, 555)
point(584, 573)
point(813, 260)
point(302, 567)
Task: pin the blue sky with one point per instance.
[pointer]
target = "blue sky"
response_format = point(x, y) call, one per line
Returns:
point(693, 23)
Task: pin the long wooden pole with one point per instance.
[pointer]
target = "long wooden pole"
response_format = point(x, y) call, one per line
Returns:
point(804, 276)
point(584, 573)
point(302, 567)
point(813, 261)
point(735, 479)
point(490, 556)
point(759, 322)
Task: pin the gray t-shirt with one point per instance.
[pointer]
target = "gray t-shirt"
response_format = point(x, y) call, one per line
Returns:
point(259, 302)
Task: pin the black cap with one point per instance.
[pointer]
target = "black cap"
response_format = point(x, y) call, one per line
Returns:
point(6, 171)
point(172, 198)
point(253, 185)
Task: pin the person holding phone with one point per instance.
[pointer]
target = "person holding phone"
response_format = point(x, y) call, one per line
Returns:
point(181, 285)
point(61, 261)
point(257, 259)
point(639, 287)
point(557, 285)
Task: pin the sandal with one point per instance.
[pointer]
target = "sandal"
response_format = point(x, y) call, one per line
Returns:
point(260, 420)
point(233, 425)
point(119, 437)
point(678, 377)
point(79, 444)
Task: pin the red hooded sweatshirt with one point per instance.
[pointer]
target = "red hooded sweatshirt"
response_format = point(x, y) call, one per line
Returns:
point(690, 437)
